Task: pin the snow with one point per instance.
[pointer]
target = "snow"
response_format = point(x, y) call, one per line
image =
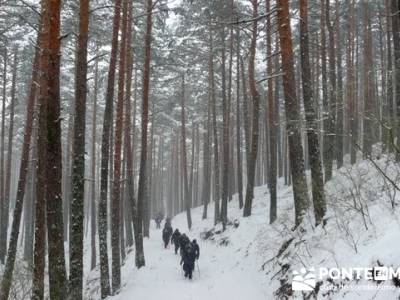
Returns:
point(243, 262)
point(220, 272)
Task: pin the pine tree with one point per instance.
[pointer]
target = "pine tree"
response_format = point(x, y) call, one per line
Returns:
point(78, 164)
point(255, 117)
point(300, 192)
point(311, 117)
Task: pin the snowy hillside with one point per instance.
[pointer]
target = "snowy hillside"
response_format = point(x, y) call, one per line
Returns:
point(255, 260)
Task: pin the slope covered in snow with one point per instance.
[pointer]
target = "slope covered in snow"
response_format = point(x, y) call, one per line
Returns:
point(255, 260)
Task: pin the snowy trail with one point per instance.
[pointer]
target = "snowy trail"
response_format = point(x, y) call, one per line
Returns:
point(223, 272)
point(215, 277)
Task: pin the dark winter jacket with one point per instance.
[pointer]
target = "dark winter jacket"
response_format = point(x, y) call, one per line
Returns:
point(167, 232)
point(183, 241)
point(196, 249)
point(188, 256)
point(175, 237)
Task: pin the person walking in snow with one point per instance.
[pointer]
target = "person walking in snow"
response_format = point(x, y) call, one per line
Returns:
point(196, 249)
point(166, 233)
point(158, 219)
point(175, 239)
point(188, 259)
point(183, 241)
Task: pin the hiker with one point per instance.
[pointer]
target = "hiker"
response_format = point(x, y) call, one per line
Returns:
point(188, 259)
point(166, 233)
point(158, 220)
point(196, 249)
point(183, 241)
point(175, 239)
point(167, 221)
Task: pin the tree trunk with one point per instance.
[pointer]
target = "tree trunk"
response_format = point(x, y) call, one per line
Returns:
point(116, 191)
point(311, 117)
point(7, 195)
point(396, 54)
point(105, 148)
point(215, 130)
point(131, 205)
point(255, 118)
point(300, 192)
point(370, 111)
point(340, 105)
point(331, 108)
point(225, 136)
point(78, 160)
point(238, 122)
point(271, 120)
point(3, 232)
point(187, 195)
point(93, 170)
point(12, 248)
point(53, 159)
point(145, 122)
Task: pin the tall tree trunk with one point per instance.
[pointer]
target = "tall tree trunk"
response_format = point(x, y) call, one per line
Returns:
point(3, 232)
point(331, 109)
point(105, 148)
point(311, 117)
point(370, 110)
point(238, 122)
point(93, 170)
point(78, 159)
point(145, 123)
point(324, 84)
point(131, 205)
point(255, 118)
point(215, 130)
point(340, 105)
point(12, 248)
point(271, 120)
point(352, 87)
point(389, 76)
point(300, 192)
point(7, 194)
point(40, 205)
point(53, 159)
point(116, 191)
point(187, 195)
point(396, 53)
point(225, 136)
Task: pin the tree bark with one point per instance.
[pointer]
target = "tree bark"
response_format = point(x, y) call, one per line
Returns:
point(396, 54)
point(116, 191)
point(238, 122)
point(300, 192)
point(145, 122)
point(78, 159)
point(255, 118)
point(271, 119)
point(12, 248)
point(3, 232)
point(225, 136)
point(311, 118)
point(187, 195)
point(331, 108)
point(53, 159)
point(105, 148)
point(93, 170)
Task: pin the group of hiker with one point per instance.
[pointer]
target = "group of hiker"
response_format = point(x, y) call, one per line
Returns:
point(189, 250)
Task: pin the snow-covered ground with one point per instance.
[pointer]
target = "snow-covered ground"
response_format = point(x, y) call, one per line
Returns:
point(255, 260)
point(223, 271)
